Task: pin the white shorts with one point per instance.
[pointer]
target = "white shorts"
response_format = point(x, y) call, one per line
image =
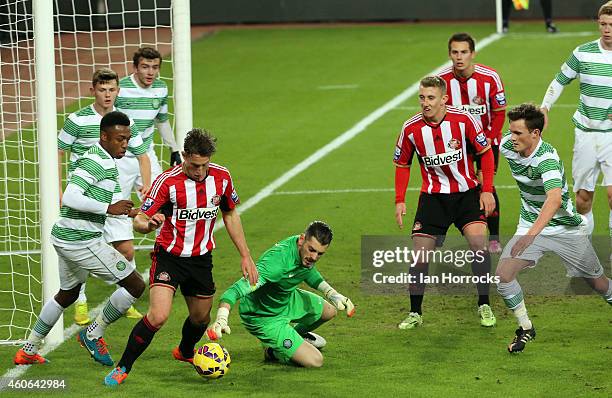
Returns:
point(592, 155)
point(129, 174)
point(575, 250)
point(118, 228)
point(97, 258)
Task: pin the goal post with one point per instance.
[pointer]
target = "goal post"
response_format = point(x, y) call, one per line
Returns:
point(49, 50)
point(46, 129)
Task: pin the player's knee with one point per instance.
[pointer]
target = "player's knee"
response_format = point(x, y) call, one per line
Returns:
point(66, 298)
point(329, 312)
point(157, 318)
point(200, 319)
point(134, 284)
point(503, 276)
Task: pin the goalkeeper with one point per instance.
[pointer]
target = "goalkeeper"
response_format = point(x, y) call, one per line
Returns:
point(268, 308)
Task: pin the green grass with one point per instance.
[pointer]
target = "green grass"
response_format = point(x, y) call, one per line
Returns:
point(257, 90)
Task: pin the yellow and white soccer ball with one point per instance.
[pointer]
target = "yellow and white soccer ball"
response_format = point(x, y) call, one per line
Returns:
point(211, 361)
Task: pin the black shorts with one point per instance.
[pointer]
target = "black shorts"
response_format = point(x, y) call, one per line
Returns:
point(192, 274)
point(495, 149)
point(436, 212)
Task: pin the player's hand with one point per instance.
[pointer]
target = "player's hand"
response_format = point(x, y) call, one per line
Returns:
point(144, 190)
point(487, 203)
point(120, 208)
point(219, 326)
point(341, 302)
point(156, 221)
point(544, 110)
point(175, 158)
point(400, 212)
point(133, 212)
point(523, 243)
point(249, 270)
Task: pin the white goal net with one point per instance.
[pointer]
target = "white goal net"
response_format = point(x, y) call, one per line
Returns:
point(87, 35)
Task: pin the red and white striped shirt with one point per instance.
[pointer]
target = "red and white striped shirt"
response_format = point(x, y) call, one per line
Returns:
point(445, 151)
point(190, 207)
point(480, 94)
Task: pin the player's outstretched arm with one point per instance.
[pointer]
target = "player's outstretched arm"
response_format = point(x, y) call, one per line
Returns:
point(232, 222)
point(165, 130)
point(402, 178)
point(144, 164)
point(339, 301)
point(219, 326)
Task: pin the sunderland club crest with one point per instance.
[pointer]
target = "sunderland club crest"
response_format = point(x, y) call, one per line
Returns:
point(478, 100)
point(454, 144)
point(215, 200)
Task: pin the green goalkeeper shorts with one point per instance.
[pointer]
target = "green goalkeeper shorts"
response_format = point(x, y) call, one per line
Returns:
point(277, 332)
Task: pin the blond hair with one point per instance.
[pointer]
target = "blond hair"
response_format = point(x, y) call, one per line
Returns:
point(605, 9)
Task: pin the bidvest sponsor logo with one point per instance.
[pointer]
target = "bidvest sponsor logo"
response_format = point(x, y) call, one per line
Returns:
point(443, 159)
point(199, 213)
point(475, 110)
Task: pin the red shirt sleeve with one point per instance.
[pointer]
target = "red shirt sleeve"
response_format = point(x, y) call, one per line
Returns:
point(404, 150)
point(498, 96)
point(157, 197)
point(230, 198)
point(475, 135)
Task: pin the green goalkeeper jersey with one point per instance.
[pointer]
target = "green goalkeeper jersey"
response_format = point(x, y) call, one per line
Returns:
point(280, 274)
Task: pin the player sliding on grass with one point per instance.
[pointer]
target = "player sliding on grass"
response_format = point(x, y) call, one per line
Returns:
point(78, 240)
point(268, 308)
point(185, 202)
point(445, 140)
point(548, 221)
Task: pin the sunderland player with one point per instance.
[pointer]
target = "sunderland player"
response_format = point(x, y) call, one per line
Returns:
point(185, 201)
point(144, 98)
point(477, 89)
point(268, 309)
point(81, 131)
point(591, 64)
point(78, 240)
point(445, 140)
point(548, 221)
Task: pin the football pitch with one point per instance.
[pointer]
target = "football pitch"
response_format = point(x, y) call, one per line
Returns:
point(276, 96)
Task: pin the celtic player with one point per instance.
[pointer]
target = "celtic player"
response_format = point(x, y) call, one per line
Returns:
point(81, 131)
point(78, 240)
point(591, 64)
point(268, 308)
point(548, 221)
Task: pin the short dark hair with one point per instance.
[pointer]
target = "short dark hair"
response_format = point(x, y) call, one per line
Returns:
point(434, 81)
point(114, 118)
point(462, 36)
point(200, 142)
point(321, 232)
point(146, 53)
point(533, 116)
point(104, 75)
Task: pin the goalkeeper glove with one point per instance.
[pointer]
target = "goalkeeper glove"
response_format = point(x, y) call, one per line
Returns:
point(336, 299)
point(216, 330)
point(175, 158)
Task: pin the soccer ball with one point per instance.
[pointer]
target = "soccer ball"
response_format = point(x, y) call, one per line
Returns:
point(211, 361)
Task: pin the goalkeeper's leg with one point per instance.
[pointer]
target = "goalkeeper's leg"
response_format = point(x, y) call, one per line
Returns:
point(309, 311)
